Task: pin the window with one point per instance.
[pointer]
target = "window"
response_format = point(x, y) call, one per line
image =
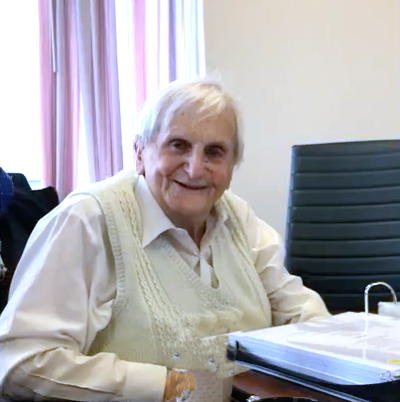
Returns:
point(20, 126)
point(20, 123)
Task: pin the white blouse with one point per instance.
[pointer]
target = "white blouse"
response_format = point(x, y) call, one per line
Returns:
point(78, 297)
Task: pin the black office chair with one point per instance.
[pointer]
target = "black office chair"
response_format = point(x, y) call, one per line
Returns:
point(343, 225)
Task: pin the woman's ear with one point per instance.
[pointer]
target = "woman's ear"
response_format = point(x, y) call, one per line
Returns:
point(138, 147)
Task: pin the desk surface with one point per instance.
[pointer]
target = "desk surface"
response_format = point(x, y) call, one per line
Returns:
point(267, 386)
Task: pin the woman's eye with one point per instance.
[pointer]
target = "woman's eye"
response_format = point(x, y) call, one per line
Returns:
point(179, 145)
point(214, 152)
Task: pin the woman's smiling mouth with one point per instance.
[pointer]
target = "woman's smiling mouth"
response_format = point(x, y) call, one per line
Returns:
point(191, 186)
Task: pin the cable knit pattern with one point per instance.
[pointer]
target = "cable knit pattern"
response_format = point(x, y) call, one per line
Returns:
point(179, 334)
point(161, 332)
point(241, 244)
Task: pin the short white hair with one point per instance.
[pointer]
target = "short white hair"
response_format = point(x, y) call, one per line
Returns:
point(206, 97)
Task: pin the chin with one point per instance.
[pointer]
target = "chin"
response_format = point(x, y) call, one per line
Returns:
point(189, 211)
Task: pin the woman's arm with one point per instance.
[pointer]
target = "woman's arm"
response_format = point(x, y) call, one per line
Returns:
point(61, 296)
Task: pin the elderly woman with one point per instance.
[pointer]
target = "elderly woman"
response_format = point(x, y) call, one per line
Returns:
point(142, 274)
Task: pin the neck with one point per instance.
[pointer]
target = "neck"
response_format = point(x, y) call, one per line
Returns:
point(196, 229)
point(197, 233)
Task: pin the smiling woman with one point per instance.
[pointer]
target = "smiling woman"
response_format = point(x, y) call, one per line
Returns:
point(159, 264)
point(188, 163)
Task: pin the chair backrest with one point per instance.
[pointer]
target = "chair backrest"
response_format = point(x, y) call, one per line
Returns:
point(17, 221)
point(343, 226)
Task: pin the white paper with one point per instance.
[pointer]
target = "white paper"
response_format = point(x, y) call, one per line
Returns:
point(348, 348)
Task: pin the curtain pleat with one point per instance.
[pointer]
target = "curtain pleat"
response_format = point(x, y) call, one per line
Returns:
point(139, 16)
point(100, 92)
point(172, 41)
point(47, 89)
point(59, 93)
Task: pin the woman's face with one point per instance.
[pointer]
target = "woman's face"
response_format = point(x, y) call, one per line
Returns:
point(189, 165)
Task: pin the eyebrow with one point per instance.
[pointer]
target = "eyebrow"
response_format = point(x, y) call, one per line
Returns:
point(172, 135)
point(222, 144)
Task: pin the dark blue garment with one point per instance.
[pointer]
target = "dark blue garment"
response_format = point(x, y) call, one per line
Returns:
point(6, 190)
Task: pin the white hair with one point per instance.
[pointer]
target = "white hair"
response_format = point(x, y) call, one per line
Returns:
point(206, 97)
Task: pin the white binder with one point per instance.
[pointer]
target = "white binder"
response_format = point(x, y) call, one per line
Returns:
point(348, 348)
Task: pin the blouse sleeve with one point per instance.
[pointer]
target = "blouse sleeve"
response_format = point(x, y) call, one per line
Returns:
point(61, 296)
point(290, 300)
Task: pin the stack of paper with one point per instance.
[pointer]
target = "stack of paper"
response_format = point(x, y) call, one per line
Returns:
point(348, 348)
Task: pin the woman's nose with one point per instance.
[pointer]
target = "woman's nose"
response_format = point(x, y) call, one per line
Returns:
point(196, 165)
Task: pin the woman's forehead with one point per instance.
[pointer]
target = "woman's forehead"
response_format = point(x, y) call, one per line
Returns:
point(207, 131)
point(196, 115)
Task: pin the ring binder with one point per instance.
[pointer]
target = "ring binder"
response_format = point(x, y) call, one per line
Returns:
point(366, 293)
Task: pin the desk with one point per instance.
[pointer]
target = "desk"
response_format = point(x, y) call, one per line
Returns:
point(267, 386)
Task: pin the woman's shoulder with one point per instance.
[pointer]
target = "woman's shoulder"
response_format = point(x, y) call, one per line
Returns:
point(252, 225)
point(80, 207)
point(121, 180)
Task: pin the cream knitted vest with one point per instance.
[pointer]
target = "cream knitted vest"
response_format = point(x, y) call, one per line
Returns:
point(146, 326)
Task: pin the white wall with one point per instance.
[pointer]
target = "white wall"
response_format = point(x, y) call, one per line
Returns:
point(304, 71)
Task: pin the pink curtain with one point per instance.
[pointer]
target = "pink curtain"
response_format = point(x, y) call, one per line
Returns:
point(59, 93)
point(79, 68)
point(78, 58)
point(168, 40)
point(99, 81)
point(139, 15)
